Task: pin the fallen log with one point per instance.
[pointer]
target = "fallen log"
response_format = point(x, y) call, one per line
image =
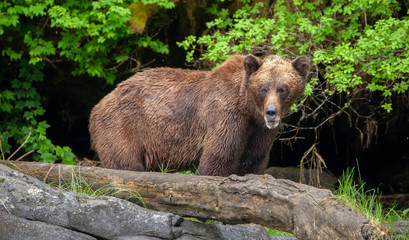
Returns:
point(308, 212)
point(31, 209)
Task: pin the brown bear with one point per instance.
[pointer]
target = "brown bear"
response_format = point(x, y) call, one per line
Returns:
point(223, 121)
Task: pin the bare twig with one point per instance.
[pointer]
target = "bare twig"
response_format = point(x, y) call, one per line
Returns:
point(24, 155)
point(59, 176)
point(2, 154)
point(19, 147)
point(46, 176)
point(5, 206)
point(315, 164)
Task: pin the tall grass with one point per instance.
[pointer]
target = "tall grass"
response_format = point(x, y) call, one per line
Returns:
point(354, 194)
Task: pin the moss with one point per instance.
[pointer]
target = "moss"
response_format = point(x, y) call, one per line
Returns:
point(2, 179)
point(140, 13)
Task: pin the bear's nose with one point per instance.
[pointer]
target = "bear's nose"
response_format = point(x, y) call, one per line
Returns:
point(271, 113)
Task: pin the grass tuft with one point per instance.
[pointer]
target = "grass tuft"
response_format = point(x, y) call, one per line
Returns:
point(79, 185)
point(355, 196)
point(367, 202)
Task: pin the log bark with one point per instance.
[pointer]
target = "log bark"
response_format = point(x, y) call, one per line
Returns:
point(308, 212)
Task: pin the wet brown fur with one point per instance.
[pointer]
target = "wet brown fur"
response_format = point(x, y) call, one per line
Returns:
point(177, 118)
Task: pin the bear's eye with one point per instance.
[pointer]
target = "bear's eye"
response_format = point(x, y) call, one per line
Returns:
point(262, 92)
point(283, 91)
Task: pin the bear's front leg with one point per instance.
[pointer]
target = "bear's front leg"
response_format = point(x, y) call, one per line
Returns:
point(256, 154)
point(222, 150)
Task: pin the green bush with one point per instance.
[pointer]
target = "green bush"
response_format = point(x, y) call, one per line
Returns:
point(360, 51)
point(93, 36)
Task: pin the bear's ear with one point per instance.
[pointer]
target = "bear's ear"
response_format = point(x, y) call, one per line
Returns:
point(302, 65)
point(251, 64)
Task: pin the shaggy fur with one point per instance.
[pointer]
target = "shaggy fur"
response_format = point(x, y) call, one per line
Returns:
point(215, 120)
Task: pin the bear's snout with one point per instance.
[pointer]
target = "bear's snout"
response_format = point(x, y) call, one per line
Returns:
point(272, 116)
point(271, 113)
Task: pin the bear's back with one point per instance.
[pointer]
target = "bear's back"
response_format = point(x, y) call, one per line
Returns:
point(157, 78)
point(164, 92)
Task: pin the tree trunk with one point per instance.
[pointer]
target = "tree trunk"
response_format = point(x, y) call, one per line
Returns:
point(308, 212)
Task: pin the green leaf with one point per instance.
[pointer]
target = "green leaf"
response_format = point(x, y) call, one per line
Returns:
point(387, 107)
point(12, 54)
point(48, 157)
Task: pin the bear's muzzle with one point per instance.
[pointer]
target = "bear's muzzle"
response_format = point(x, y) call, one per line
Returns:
point(272, 117)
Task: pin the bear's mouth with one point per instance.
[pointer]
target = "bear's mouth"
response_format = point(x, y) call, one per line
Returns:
point(272, 124)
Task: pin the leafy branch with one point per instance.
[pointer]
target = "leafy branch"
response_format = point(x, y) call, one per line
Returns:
point(359, 50)
point(92, 38)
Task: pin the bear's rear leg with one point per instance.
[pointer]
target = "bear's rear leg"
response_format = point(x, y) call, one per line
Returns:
point(125, 160)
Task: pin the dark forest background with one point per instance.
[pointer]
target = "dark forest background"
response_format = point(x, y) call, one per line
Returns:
point(59, 58)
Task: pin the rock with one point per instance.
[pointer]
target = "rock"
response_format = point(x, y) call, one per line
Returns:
point(102, 217)
point(220, 231)
point(12, 227)
point(136, 238)
point(105, 217)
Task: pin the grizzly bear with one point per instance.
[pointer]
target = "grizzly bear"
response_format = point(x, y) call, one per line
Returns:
point(222, 121)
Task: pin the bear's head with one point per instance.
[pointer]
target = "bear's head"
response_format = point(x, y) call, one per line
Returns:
point(275, 84)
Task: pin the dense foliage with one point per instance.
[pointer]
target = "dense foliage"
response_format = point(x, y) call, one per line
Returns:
point(357, 43)
point(360, 51)
point(92, 36)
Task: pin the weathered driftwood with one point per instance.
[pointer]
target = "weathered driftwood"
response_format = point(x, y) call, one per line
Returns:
point(308, 212)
